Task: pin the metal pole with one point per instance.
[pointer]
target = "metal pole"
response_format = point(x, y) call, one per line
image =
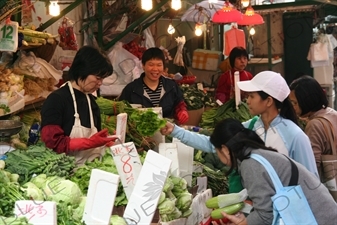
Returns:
point(134, 25)
point(269, 43)
point(48, 23)
point(100, 23)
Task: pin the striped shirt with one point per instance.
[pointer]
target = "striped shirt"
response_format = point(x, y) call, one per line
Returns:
point(154, 94)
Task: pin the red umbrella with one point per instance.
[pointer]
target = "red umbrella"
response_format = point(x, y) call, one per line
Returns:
point(227, 14)
point(250, 18)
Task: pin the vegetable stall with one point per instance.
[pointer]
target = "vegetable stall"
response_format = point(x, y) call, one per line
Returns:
point(42, 173)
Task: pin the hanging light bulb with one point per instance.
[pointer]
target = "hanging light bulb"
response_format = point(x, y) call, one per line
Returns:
point(212, 1)
point(171, 29)
point(176, 4)
point(252, 31)
point(146, 4)
point(54, 8)
point(245, 3)
point(198, 29)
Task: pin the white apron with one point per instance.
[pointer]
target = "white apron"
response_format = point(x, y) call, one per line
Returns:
point(78, 131)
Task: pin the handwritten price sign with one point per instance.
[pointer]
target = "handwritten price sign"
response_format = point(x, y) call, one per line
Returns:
point(9, 36)
point(128, 165)
point(37, 212)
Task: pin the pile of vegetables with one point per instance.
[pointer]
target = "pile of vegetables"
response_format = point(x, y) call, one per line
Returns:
point(228, 203)
point(82, 175)
point(38, 159)
point(175, 200)
point(195, 98)
point(216, 179)
point(9, 191)
point(228, 110)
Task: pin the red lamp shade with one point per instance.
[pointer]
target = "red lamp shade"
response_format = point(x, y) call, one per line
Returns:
point(227, 15)
point(250, 18)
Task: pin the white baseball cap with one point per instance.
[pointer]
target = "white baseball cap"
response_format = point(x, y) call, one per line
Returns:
point(269, 82)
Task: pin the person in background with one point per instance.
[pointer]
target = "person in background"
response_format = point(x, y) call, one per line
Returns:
point(70, 116)
point(238, 59)
point(275, 125)
point(310, 102)
point(234, 144)
point(152, 89)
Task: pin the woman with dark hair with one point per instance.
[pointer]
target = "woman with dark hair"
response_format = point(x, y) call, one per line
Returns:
point(152, 89)
point(70, 116)
point(310, 102)
point(234, 144)
point(275, 125)
point(238, 59)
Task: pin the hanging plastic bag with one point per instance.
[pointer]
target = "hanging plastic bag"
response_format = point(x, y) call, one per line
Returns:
point(67, 35)
point(178, 59)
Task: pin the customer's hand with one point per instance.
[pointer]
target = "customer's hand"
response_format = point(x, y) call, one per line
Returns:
point(167, 130)
point(236, 219)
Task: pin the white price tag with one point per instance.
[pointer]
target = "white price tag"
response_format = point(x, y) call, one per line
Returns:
point(9, 36)
point(36, 212)
point(128, 165)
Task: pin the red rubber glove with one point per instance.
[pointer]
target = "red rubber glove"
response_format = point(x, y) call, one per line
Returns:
point(97, 140)
point(182, 116)
point(181, 113)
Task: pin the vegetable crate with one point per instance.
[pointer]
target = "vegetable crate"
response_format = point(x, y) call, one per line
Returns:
point(206, 59)
point(194, 116)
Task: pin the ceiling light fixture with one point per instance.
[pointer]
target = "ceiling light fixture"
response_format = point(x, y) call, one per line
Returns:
point(146, 4)
point(176, 4)
point(54, 8)
point(171, 29)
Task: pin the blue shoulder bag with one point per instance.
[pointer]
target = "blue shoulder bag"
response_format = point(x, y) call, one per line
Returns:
point(290, 204)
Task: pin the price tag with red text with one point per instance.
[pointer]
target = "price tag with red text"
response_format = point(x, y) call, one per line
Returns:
point(128, 165)
point(9, 36)
point(36, 212)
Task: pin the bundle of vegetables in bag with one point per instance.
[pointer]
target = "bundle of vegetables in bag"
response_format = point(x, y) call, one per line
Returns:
point(228, 110)
point(175, 200)
point(228, 203)
point(9, 191)
point(141, 124)
point(38, 159)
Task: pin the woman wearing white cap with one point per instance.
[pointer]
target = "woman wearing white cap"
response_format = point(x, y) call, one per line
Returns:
point(277, 124)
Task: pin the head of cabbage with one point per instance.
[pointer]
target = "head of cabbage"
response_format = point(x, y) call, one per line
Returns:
point(117, 220)
point(60, 190)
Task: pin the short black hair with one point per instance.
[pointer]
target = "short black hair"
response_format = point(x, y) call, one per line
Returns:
point(153, 53)
point(89, 61)
point(309, 93)
point(236, 52)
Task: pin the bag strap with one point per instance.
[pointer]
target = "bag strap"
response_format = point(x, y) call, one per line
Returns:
point(330, 133)
point(273, 175)
point(252, 122)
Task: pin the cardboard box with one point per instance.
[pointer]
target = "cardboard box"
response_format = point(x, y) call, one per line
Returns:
point(195, 116)
point(206, 59)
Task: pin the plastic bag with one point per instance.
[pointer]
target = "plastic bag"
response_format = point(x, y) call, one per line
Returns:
point(127, 67)
point(67, 35)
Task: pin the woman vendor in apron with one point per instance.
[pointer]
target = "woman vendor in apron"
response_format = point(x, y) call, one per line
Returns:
point(71, 121)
